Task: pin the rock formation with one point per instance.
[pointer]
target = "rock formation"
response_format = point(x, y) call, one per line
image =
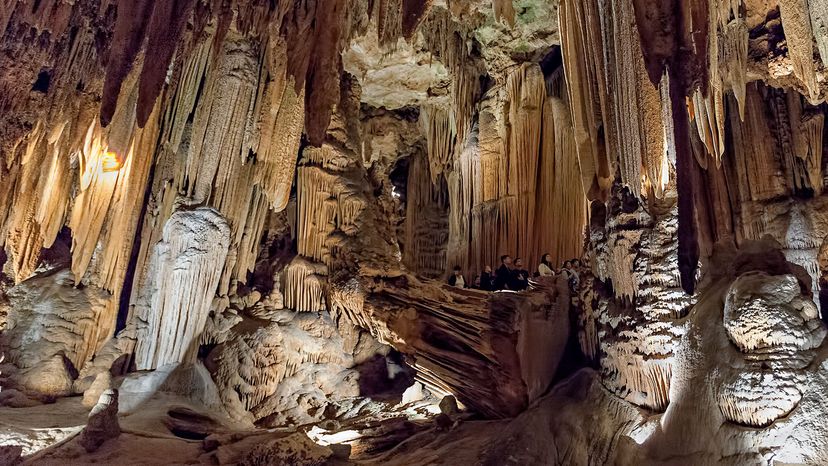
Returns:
point(227, 228)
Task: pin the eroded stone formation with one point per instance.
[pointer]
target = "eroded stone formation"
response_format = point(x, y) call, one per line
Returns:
point(227, 227)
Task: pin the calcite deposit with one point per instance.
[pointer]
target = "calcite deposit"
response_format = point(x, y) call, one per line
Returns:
point(267, 232)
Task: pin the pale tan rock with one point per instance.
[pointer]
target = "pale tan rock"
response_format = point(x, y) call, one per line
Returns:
point(50, 378)
point(91, 395)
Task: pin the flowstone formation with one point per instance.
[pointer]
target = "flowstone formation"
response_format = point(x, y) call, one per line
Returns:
point(231, 231)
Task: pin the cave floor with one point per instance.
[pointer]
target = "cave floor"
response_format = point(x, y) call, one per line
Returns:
point(154, 434)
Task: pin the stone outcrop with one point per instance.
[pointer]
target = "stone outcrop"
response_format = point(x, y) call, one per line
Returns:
point(103, 422)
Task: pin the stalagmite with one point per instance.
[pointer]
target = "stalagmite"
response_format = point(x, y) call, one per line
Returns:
point(183, 279)
point(51, 317)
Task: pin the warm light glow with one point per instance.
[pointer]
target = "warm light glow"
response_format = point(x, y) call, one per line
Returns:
point(111, 162)
point(98, 164)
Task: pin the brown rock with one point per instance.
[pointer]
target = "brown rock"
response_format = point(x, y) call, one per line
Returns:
point(103, 422)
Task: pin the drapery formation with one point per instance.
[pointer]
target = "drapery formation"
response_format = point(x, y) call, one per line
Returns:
point(620, 120)
point(515, 186)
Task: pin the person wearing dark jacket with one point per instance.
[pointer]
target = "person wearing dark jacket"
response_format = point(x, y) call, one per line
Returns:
point(520, 276)
point(504, 273)
point(456, 278)
point(486, 279)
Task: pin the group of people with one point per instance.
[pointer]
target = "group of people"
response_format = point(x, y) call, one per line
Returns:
point(512, 276)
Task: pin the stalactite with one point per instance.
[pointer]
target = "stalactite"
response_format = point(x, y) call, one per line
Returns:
point(116, 240)
point(525, 94)
point(413, 13)
point(426, 225)
point(463, 181)
point(727, 57)
point(560, 228)
point(219, 128)
point(164, 32)
point(806, 128)
point(758, 170)
point(389, 20)
point(448, 39)
point(519, 194)
point(611, 86)
point(281, 120)
point(800, 39)
point(735, 59)
point(304, 286)
point(130, 26)
point(315, 211)
point(818, 11)
point(504, 10)
point(588, 61)
point(813, 129)
point(628, 79)
point(91, 206)
point(439, 129)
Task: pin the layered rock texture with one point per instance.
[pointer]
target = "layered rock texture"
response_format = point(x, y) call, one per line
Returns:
point(227, 230)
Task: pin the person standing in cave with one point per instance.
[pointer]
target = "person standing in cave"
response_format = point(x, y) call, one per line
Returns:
point(520, 276)
point(486, 281)
point(504, 273)
point(575, 275)
point(456, 278)
point(545, 266)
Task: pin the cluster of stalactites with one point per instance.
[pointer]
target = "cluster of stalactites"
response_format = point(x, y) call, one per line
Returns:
point(448, 38)
point(727, 70)
point(621, 121)
point(515, 187)
point(314, 33)
point(426, 222)
point(72, 172)
point(610, 56)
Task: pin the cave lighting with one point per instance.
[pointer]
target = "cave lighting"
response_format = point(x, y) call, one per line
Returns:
point(111, 162)
point(324, 438)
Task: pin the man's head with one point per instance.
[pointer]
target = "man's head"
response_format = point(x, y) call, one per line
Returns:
point(457, 270)
point(518, 262)
point(576, 262)
point(488, 269)
point(506, 259)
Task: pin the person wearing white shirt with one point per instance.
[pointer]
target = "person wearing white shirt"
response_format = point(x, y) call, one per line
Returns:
point(545, 266)
point(456, 278)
